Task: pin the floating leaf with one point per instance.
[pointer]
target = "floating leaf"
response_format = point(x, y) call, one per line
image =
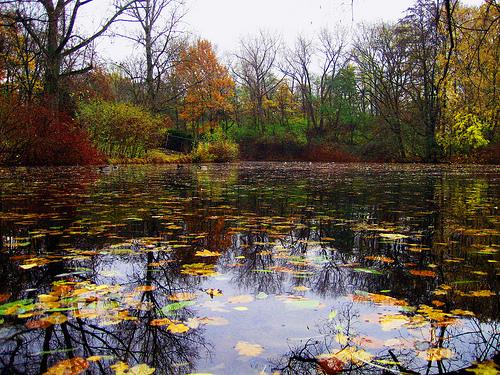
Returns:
point(160, 322)
point(247, 349)
point(207, 253)
point(436, 354)
point(182, 296)
point(142, 369)
point(4, 297)
point(261, 295)
point(485, 368)
point(73, 366)
point(177, 328)
point(367, 270)
point(177, 306)
point(40, 323)
point(244, 298)
point(332, 315)
point(213, 292)
point(423, 273)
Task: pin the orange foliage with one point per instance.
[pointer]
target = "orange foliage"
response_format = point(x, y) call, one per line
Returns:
point(207, 84)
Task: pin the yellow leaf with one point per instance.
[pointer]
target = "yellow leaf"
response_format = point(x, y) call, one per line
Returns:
point(207, 253)
point(120, 368)
point(142, 369)
point(47, 298)
point(341, 338)
point(247, 349)
point(213, 292)
point(94, 358)
point(57, 318)
point(485, 368)
point(482, 293)
point(436, 354)
point(178, 328)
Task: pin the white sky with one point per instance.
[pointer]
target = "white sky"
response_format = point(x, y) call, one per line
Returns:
point(224, 22)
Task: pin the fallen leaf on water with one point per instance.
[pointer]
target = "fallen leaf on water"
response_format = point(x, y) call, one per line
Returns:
point(301, 288)
point(73, 366)
point(4, 297)
point(178, 328)
point(40, 323)
point(160, 322)
point(341, 339)
point(214, 321)
point(244, 298)
point(330, 366)
point(207, 253)
point(332, 315)
point(261, 295)
point(120, 368)
point(57, 318)
point(241, 308)
point(94, 358)
point(353, 355)
point(182, 296)
point(380, 259)
point(213, 292)
point(247, 349)
point(436, 354)
point(142, 369)
point(423, 273)
point(485, 368)
point(482, 293)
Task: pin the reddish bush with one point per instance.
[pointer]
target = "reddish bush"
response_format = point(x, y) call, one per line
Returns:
point(34, 135)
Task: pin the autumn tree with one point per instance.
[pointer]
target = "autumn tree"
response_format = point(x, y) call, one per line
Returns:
point(52, 24)
point(207, 85)
point(471, 112)
point(19, 61)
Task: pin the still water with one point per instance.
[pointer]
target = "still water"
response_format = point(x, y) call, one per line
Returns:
point(250, 268)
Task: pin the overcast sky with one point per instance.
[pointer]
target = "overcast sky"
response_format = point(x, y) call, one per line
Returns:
point(224, 22)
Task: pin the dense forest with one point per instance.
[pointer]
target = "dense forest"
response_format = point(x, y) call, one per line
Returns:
point(423, 89)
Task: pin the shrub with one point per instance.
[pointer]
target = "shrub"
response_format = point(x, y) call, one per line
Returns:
point(219, 151)
point(31, 134)
point(121, 130)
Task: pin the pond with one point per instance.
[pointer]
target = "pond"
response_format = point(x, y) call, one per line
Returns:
point(250, 268)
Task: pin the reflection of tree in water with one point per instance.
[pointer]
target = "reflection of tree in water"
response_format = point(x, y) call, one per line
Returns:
point(340, 348)
point(134, 341)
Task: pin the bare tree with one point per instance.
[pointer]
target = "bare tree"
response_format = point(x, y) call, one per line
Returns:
point(52, 25)
point(314, 81)
point(253, 69)
point(160, 39)
point(384, 67)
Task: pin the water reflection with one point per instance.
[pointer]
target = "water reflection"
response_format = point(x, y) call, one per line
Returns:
point(129, 267)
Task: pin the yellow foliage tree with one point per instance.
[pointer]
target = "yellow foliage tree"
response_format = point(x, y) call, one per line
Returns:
point(471, 112)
